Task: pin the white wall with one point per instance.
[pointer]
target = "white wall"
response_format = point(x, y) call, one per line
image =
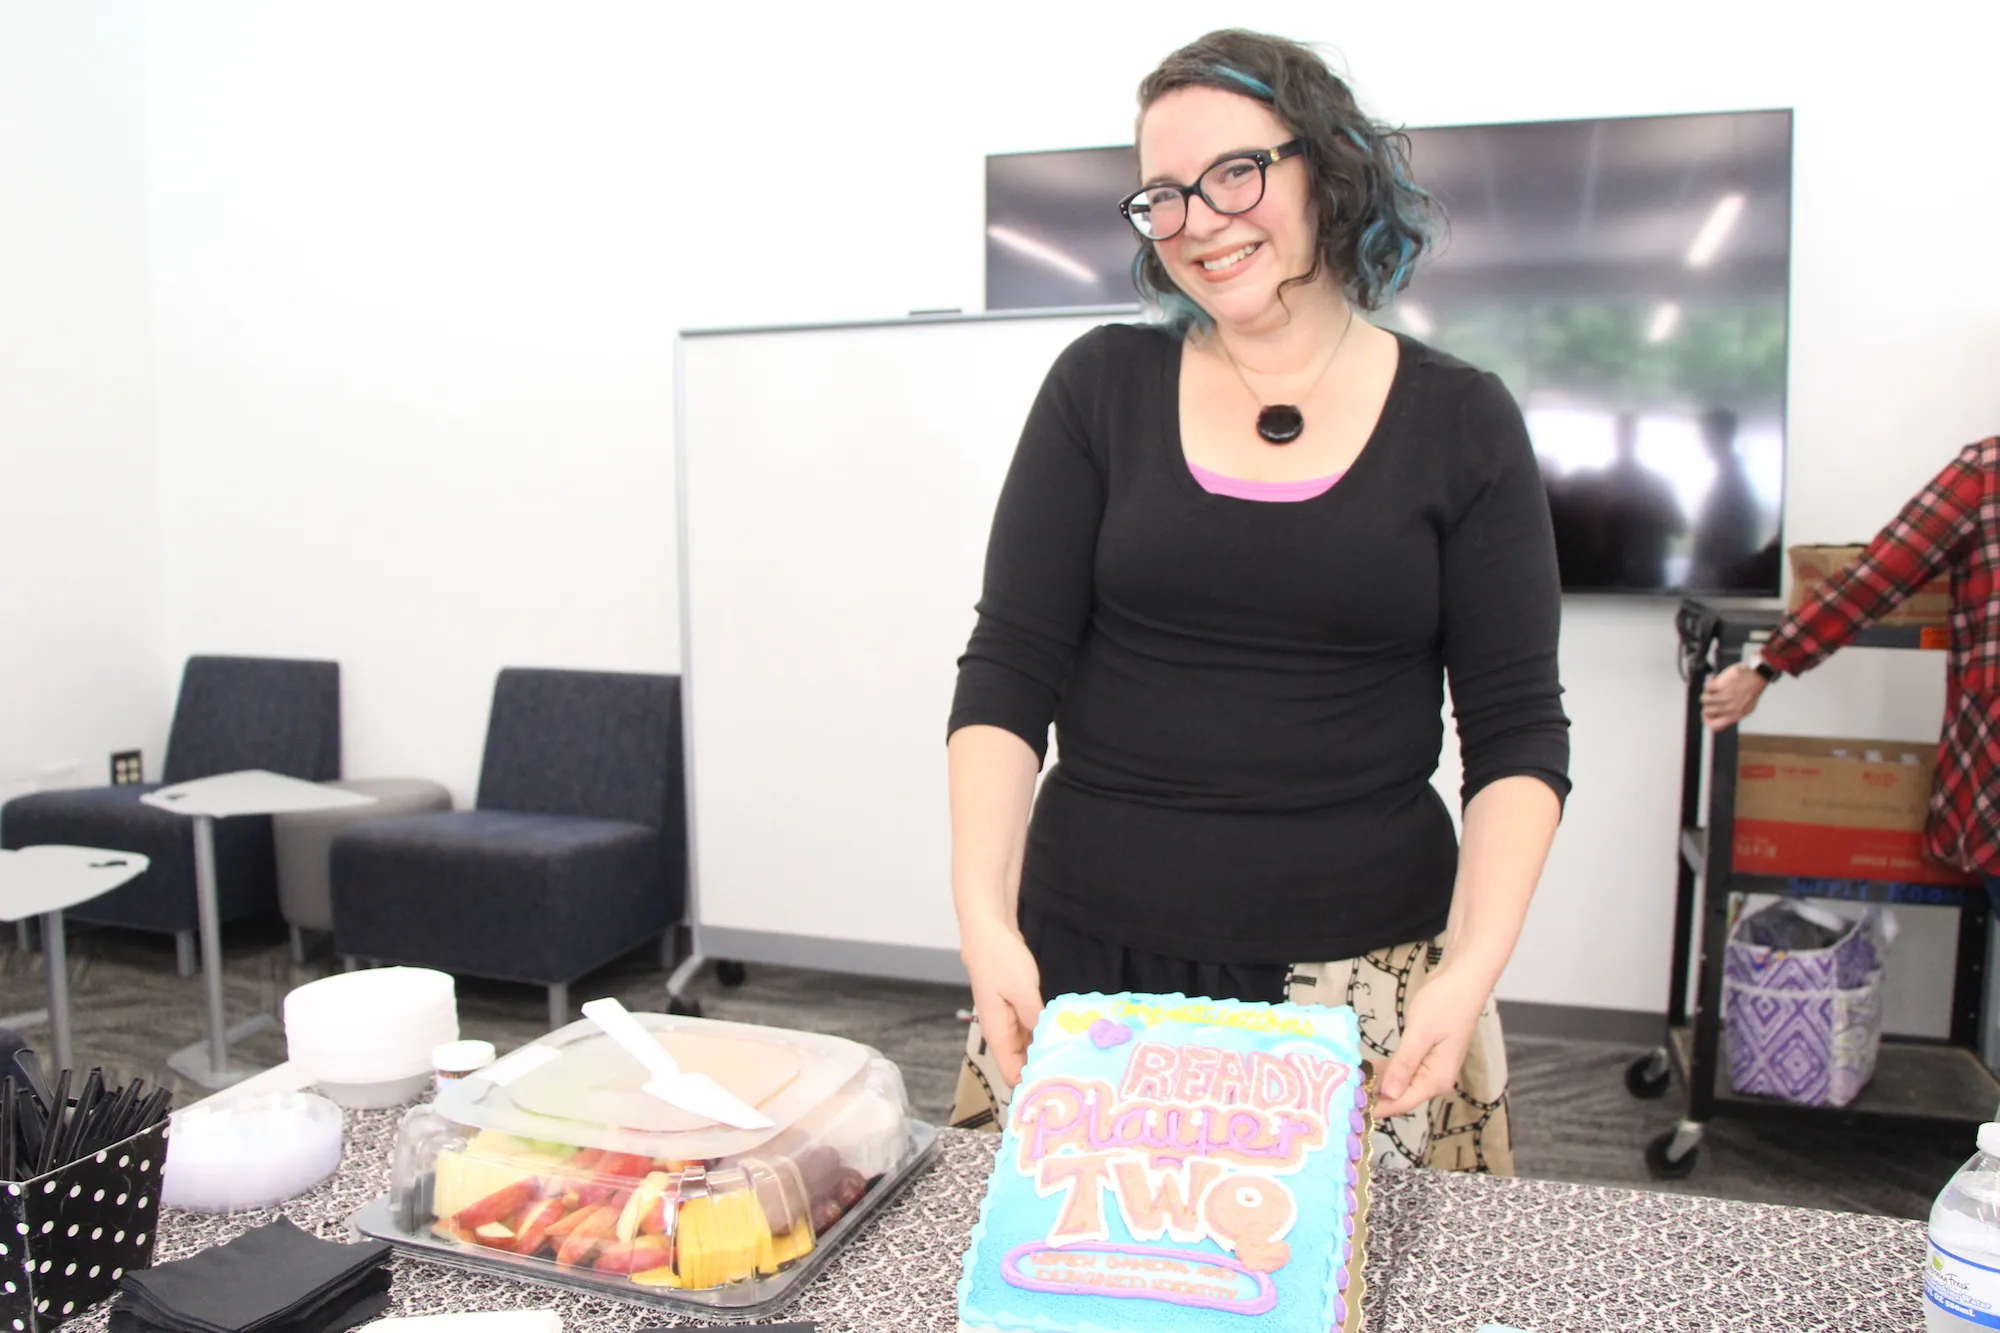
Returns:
point(416, 270)
point(414, 314)
point(79, 506)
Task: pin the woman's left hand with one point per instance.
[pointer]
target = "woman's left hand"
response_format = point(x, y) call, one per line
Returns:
point(1437, 1031)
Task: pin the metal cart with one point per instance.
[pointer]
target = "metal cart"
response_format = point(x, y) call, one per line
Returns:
point(1921, 1084)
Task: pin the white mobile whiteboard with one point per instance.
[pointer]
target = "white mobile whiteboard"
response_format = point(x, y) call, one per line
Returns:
point(835, 490)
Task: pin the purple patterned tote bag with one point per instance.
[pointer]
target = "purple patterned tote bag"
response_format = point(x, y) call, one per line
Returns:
point(1802, 1002)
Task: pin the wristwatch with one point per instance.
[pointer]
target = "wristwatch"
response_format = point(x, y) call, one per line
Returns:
point(1763, 668)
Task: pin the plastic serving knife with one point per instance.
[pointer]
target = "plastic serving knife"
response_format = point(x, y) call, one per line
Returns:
point(697, 1094)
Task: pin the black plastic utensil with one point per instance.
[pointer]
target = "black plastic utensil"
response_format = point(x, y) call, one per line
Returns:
point(28, 1112)
point(28, 1072)
point(9, 1129)
point(52, 1134)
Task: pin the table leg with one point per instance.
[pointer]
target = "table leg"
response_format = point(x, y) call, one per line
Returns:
point(209, 910)
point(207, 1062)
point(55, 962)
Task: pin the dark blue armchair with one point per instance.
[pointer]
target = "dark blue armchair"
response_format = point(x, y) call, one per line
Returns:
point(575, 855)
point(233, 713)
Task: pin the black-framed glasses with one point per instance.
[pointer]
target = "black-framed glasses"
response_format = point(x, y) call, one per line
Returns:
point(1235, 184)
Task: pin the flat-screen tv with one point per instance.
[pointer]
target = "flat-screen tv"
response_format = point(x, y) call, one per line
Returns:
point(1628, 278)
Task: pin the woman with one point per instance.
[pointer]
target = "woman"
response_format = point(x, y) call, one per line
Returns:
point(1235, 559)
point(1952, 525)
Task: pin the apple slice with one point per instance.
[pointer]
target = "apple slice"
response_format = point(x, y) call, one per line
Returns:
point(571, 1220)
point(646, 1198)
point(614, 1192)
point(531, 1230)
point(451, 1230)
point(497, 1205)
point(494, 1235)
point(623, 1166)
point(588, 1236)
point(578, 1248)
point(638, 1256)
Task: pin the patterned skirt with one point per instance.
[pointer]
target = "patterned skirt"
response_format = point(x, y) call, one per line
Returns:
point(1463, 1130)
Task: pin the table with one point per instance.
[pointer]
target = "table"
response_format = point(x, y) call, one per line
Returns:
point(205, 800)
point(1447, 1253)
point(45, 881)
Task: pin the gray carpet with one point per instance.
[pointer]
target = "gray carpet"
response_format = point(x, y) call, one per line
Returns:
point(1573, 1119)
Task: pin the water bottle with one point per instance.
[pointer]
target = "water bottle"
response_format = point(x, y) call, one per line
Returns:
point(1962, 1273)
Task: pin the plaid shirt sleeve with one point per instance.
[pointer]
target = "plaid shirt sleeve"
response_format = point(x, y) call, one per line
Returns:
point(1935, 530)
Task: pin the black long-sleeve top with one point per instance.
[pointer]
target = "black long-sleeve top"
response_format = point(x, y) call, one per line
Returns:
point(1248, 696)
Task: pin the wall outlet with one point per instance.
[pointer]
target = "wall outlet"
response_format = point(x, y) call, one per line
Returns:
point(127, 767)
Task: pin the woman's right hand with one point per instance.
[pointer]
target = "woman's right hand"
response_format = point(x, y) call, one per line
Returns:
point(1006, 994)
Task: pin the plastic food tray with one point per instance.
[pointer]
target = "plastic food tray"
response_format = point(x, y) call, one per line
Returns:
point(745, 1300)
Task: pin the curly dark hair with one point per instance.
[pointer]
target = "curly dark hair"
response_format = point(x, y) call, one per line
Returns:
point(1374, 222)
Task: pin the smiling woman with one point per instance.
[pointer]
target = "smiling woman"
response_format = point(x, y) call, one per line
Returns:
point(1240, 552)
point(1371, 224)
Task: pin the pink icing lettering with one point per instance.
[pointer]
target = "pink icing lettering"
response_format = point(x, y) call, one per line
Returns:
point(1149, 1072)
point(1243, 1290)
point(1197, 1073)
point(1231, 1084)
point(1273, 1083)
point(1129, 1128)
point(1248, 1214)
point(1046, 1116)
point(1166, 1203)
point(1083, 1175)
point(1055, 1115)
point(1321, 1078)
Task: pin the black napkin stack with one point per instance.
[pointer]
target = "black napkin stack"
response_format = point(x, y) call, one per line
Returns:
point(274, 1279)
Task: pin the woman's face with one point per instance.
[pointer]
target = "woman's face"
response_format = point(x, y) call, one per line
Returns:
point(1231, 265)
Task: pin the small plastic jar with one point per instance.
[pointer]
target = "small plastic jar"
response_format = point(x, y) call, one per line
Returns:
point(455, 1059)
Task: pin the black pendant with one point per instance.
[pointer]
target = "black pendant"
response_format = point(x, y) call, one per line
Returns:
point(1281, 423)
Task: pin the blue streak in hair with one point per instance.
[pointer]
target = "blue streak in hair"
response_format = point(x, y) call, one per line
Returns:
point(1179, 309)
point(1257, 86)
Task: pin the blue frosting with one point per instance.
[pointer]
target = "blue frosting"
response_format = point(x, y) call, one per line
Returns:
point(1307, 1288)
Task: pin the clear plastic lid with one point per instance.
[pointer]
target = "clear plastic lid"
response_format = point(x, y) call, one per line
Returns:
point(557, 1158)
point(577, 1087)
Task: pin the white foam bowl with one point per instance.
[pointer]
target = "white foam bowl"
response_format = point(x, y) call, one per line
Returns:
point(375, 1096)
point(425, 1035)
point(379, 992)
point(250, 1152)
point(362, 1071)
point(388, 1058)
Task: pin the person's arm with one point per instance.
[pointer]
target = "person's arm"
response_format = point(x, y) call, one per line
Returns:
point(1502, 616)
point(1033, 610)
point(1934, 531)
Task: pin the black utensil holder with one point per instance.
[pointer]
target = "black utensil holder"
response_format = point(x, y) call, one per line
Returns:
point(68, 1236)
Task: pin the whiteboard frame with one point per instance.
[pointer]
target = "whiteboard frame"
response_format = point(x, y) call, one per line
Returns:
point(907, 962)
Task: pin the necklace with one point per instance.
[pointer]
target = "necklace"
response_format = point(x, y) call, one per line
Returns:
point(1281, 423)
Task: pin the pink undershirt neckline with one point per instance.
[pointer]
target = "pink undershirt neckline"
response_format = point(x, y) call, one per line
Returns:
point(1279, 492)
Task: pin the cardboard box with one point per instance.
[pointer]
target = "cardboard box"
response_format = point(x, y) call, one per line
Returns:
point(1927, 608)
point(1836, 809)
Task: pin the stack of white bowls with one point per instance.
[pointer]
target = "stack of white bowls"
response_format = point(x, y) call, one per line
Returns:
point(366, 1037)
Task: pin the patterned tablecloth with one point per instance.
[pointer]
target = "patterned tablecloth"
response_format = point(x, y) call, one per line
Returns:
point(1446, 1253)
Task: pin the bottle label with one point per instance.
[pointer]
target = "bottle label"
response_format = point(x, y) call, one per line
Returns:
point(1958, 1286)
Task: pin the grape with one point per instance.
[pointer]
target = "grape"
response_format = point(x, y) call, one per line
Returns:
point(848, 1187)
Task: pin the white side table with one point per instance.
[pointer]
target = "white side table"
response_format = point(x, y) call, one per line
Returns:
point(45, 881)
point(205, 800)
